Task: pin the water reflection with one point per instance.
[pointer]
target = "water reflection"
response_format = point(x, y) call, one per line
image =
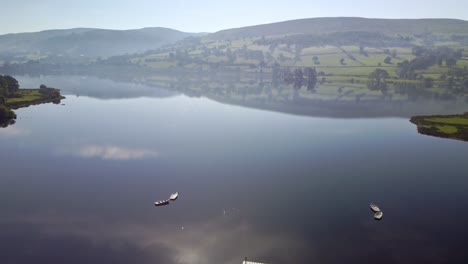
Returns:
point(27, 244)
point(215, 240)
point(115, 153)
point(92, 239)
point(295, 92)
point(97, 87)
point(13, 131)
point(81, 179)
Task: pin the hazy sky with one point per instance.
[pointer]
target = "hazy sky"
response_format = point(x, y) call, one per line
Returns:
point(206, 15)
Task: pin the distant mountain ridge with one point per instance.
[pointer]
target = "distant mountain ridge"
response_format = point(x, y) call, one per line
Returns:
point(89, 41)
point(346, 24)
point(92, 42)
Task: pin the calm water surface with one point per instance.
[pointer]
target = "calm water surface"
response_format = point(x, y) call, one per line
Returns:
point(78, 182)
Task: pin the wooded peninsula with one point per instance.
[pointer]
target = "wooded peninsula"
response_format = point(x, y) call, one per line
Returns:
point(12, 97)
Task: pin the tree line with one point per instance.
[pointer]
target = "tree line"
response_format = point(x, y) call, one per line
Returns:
point(369, 39)
point(9, 86)
point(427, 57)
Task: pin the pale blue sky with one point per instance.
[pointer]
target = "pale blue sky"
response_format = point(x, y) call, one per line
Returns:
point(204, 15)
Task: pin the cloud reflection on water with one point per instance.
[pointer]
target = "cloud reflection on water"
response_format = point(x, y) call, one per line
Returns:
point(213, 241)
point(13, 131)
point(112, 152)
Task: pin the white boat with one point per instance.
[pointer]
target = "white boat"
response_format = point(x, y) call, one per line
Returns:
point(374, 208)
point(378, 215)
point(162, 202)
point(174, 196)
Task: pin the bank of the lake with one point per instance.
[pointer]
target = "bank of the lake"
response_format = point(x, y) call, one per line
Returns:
point(28, 97)
point(11, 97)
point(444, 126)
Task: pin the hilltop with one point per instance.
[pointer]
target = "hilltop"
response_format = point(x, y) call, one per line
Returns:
point(328, 25)
point(345, 47)
point(87, 42)
point(339, 59)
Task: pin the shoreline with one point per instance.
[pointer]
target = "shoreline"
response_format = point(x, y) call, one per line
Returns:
point(23, 104)
point(443, 126)
point(25, 98)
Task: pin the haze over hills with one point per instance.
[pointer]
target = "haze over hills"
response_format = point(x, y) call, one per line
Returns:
point(299, 62)
point(347, 24)
point(89, 42)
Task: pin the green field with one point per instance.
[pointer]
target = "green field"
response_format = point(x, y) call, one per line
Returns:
point(328, 58)
point(25, 97)
point(449, 120)
point(447, 129)
point(338, 66)
point(450, 126)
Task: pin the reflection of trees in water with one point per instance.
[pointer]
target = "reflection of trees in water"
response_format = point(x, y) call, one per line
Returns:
point(286, 89)
point(298, 77)
point(7, 116)
point(284, 83)
point(417, 91)
point(6, 123)
point(297, 91)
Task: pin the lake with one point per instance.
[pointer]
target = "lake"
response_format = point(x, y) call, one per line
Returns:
point(78, 182)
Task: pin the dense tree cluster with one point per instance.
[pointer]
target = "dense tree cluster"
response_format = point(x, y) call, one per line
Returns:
point(50, 93)
point(8, 87)
point(427, 57)
point(364, 39)
point(377, 80)
point(298, 78)
point(457, 81)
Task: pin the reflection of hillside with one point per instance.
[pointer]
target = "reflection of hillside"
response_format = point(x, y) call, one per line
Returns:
point(326, 100)
point(347, 109)
point(102, 88)
point(261, 91)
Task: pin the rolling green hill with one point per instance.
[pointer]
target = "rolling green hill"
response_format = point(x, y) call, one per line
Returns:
point(88, 42)
point(343, 47)
point(346, 24)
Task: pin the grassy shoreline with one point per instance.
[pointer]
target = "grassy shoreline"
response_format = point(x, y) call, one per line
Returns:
point(30, 97)
point(25, 98)
point(443, 126)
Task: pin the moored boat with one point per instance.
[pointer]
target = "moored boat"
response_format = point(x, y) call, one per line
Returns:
point(378, 215)
point(374, 208)
point(174, 196)
point(162, 202)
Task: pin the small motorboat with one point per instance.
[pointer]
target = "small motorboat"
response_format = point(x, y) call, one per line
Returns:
point(162, 202)
point(174, 196)
point(374, 208)
point(378, 215)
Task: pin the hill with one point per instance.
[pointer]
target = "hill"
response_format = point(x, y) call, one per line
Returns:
point(346, 24)
point(88, 42)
